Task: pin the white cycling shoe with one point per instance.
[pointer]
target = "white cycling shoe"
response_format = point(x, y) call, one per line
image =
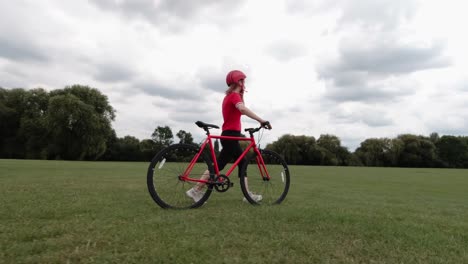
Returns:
point(195, 194)
point(256, 197)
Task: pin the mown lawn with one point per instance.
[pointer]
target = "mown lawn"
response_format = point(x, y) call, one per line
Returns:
point(101, 212)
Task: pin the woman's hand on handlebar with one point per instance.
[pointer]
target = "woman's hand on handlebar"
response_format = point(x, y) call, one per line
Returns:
point(266, 124)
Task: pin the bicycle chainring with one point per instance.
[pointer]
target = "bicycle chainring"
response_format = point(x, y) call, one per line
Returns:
point(222, 183)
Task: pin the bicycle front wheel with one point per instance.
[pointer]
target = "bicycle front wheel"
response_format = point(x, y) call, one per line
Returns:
point(254, 179)
point(164, 181)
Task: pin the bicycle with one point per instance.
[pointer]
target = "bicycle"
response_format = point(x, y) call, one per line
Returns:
point(177, 168)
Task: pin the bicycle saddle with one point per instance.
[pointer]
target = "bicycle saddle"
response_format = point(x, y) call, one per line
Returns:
point(205, 125)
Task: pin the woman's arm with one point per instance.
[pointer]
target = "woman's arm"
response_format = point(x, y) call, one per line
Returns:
point(246, 111)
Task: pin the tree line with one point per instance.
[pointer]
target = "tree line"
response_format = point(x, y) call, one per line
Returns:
point(75, 123)
point(405, 150)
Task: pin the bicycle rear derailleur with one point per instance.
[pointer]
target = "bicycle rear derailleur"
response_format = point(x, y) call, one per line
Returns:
point(222, 183)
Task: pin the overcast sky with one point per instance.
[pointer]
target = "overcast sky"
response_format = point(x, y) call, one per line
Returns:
point(356, 69)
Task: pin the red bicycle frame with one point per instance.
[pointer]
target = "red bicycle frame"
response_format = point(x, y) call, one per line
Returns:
point(208, 141)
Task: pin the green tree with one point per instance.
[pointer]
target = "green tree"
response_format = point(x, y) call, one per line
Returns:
point(375, 152)
point(332, 151)
point(329, 142)
point(185, 137)
point(112, 148)
point(395, 150)
point(79, 121)
point(9, 124)
point(417, 151)
point(12, 107)
point(92, 97)
point(129, 149)
point(33, 130)
point(22, 119)
point(434, 137)
point(344, 156)
point(162, 136)
point(301, 150)
point(69, 122)
point(288, 148)
point(148, 149)
point(453, 151)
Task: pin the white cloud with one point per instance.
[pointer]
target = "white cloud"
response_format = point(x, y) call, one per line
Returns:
point(285, 51)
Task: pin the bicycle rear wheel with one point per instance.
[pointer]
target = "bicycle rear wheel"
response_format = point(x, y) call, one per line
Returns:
point(164, 184)
point(273, 190)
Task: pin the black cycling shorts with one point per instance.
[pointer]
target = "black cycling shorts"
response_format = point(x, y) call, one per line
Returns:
point(231, 150)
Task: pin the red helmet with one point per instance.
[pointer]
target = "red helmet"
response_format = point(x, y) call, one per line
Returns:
point(234, 77)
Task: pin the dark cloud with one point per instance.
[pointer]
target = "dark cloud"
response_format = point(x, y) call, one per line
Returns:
point(448, 112)
point(376, 120)
point(20, 51)
point(156, 89)
point(167, 91)
point(387, 56)
point(192, 115)
point(343, 78)
point(190, 111)
point(113, 73)
point(20, 33)
point(367, 115)
point(370, 14)
point(457, 131)
point(215, 79)
point(383, 14)
point(215, 83)
point(309, 7)
point(361, 72)
point(363, 93)
point(11, 76)
point(285, 51)
point(174, 14)
point(188, 9)
point(451, 125)
point(375, 53)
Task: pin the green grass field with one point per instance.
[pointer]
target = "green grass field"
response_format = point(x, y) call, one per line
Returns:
point(101, 212)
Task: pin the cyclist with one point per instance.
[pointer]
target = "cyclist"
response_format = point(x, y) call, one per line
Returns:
point(233, 108)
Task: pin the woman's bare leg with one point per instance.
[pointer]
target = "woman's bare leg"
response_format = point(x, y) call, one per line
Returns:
point(205, 176)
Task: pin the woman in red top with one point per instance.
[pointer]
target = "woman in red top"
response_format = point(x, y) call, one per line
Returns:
point(233, 108)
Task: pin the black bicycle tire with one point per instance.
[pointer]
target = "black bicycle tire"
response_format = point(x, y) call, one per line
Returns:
point(287, 178)
point(150, 183)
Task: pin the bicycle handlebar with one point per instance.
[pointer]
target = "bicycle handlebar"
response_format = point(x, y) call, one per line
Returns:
point(206, 127)
point(254, 130)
